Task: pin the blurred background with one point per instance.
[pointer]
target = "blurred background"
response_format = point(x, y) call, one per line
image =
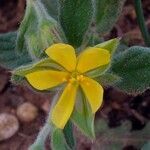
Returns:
point(23, 112)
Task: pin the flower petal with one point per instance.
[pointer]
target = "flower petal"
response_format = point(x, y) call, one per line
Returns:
point(64, 107)
point(45, 79)
point(63, 54)
point(92, 58)
point(93, 91)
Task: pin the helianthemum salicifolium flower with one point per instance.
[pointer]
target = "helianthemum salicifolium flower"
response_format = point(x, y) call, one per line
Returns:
point(74, 75)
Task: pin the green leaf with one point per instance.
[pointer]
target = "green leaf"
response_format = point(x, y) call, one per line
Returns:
point(38, 30)
point(75, 17)
point(146, 146)
point(133, 66)
point(107, 13)
point(58, 141)
point(9, 58)
point(17, 79)
point(108, 79)
point(37, 147)
point(121, 47)
point(83, 117)
point(18, 74)
point(68, 133)
point(52, 7)
point(7, 37)
point(25, 24)
point(44, 64)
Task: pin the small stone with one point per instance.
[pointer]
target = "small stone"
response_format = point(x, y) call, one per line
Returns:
point(27, 112)
point(9, 125)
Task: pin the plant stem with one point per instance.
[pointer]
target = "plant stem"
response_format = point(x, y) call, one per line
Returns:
point(41, 138)
point(39, 143)
point(141, 21)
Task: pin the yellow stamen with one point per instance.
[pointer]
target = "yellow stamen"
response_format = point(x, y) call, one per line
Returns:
point(71, 80)
point(80, 78)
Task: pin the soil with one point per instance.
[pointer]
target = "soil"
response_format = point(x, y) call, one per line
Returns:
point(117, 107)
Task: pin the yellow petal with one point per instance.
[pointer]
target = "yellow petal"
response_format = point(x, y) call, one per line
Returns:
point(64, 107)
point(92, 58)
point(45, 79)
point(93, 91)
point(63, 54)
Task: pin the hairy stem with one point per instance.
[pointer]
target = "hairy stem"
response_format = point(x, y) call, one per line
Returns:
point(39, 143)
point(41, 138)
point(141, 21)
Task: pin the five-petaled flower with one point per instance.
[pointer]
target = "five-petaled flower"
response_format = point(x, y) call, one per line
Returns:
point(74, 76)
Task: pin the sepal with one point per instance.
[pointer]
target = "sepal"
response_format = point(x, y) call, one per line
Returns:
point(82, 116)
point(58, 139)
point(111, 46)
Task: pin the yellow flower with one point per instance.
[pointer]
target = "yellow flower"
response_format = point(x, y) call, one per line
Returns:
point(76, 67)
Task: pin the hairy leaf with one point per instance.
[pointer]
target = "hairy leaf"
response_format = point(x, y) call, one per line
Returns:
point(75, 17)
point(107, 13)
point(9, 58)
point(52, 7)
point(38, 30)
point(133, 66)
point(146, 146)
point(108, 79)
point(43, 64)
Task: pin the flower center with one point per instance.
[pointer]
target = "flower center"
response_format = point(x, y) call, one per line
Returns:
point(74, 77)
